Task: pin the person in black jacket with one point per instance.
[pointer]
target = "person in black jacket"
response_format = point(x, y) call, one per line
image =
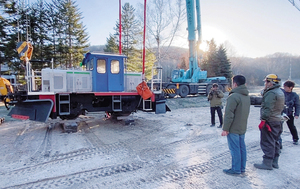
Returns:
point(292, 107)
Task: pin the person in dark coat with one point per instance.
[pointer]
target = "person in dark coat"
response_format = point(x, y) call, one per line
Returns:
point(292, 107)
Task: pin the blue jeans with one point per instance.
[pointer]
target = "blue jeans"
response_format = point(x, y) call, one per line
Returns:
point(237, 147)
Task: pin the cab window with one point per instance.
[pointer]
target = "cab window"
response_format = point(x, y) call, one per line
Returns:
point(91, 63)
point(175, 74)
point(115, 66)
point(101, 66)
point(88, 65)
point(180, 74)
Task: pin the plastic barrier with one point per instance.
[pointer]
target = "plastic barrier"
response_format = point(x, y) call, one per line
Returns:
point(144, 90)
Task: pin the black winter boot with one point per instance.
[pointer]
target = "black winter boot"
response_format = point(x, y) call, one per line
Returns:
point(266, 164)
point(275, 162)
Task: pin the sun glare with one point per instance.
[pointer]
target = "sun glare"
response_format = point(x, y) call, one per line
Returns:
point(208, 33)
point(203, 46)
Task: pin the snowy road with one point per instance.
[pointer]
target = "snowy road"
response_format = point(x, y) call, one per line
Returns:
point(178, 149)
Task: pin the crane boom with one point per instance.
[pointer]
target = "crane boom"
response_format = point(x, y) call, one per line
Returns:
point(193, 74)
point(193, 44)
point(198, 23)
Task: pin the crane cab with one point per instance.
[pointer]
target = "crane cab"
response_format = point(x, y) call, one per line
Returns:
point(107, 71)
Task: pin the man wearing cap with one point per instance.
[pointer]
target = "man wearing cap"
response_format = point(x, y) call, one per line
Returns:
point(271, 125)
point(215, 97)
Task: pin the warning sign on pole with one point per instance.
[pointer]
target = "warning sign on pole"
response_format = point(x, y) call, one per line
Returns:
point(24, 50)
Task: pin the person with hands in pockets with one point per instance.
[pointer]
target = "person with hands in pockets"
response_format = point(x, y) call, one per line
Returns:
point(215, 97)
point(271, 124)
point(235, 124)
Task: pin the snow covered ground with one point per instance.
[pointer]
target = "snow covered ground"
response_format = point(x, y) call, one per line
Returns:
point(178, 149)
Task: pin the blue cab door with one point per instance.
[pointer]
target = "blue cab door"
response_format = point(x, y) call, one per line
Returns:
point(115, 74)
point(108, 71)
point(100, 75)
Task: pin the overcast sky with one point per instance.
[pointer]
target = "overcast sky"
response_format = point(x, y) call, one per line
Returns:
point(254, 28)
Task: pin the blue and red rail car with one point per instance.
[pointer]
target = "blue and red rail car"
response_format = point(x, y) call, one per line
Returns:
point(102, 86)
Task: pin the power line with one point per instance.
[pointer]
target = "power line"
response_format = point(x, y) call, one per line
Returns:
point(295, 4)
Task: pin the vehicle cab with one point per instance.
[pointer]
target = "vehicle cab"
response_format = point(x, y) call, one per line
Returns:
point(177, 75)
point(107, 71)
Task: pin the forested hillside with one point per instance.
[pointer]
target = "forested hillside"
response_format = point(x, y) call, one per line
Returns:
point(254, 69)
point(286, 66)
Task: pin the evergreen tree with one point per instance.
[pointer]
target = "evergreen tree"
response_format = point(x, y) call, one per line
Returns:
point(210, 62)
point(111, 45)
point(2, 32)
point(215, 61)
point(135, 63)
point(39, 31)
point(74, 37)
point(149, 62)
point(131, 32)
point(10, 35)
point(54, 29)
point(224, 63)
point(53, 26)
point(131, 41)
point(56, 25)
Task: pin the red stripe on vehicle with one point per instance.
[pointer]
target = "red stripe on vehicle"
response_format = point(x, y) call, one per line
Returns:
point(115, 93)
point(22, 117)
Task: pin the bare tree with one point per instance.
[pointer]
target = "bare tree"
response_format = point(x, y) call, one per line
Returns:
point(164, 18)
point(231, 51)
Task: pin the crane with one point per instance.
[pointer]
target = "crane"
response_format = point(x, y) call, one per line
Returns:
point(194, 73)
point(194, 80)
point(295, 4)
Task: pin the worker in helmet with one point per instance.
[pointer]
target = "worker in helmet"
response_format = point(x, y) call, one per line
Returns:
point(271, 125)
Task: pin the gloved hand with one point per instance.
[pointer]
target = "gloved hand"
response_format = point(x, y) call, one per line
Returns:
point(262, 124)
point(268, 127)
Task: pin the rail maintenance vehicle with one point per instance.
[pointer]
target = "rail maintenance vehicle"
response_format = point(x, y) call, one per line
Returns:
point(103, 86)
